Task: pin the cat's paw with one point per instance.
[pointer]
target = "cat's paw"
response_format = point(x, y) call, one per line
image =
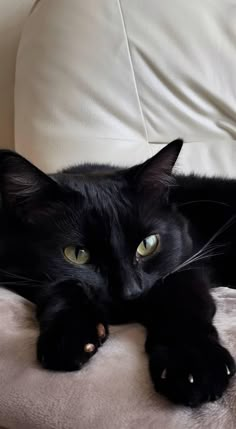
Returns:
point(191, 374)
point(70, 339)
point(67, 348)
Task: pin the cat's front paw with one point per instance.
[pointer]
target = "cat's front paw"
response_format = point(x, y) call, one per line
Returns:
point(67, 348)
point(191, 374)
point(71, 338)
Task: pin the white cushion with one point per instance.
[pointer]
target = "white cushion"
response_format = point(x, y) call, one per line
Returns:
point(107, 80)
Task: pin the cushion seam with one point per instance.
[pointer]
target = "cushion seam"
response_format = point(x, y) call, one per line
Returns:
point(132, 68)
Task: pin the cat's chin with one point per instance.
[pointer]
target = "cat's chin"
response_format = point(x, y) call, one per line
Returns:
point(132, 296)
point(135, 294)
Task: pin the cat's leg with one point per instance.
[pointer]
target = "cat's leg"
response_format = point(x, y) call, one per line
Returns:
point(186, 360)
point(72, 326)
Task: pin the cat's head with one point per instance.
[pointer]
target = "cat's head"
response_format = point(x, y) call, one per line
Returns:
point(114, 229)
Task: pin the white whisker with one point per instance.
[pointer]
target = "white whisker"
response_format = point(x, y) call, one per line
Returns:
point(198, 256)
point(205, 251)
point(18, 276)
point(202, 257)
point(204, 201)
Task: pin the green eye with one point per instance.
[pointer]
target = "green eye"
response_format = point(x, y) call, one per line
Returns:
point(76, 255)
point(149, 246)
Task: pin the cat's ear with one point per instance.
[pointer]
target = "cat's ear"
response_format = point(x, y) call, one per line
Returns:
point(22, 185)
point(156, 172)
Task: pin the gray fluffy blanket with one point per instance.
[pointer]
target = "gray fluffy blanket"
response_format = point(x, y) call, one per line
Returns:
point(112, 392)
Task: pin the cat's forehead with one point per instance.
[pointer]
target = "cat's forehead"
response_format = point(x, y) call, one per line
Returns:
point(108, 201)
point(97, 193)
point(91, 178)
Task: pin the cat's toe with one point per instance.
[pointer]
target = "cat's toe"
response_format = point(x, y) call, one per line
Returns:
point(102, 332)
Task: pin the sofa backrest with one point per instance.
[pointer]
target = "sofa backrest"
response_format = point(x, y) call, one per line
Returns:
point(112, 80)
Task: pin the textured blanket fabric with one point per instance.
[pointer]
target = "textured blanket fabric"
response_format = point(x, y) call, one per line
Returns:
point(112, 392)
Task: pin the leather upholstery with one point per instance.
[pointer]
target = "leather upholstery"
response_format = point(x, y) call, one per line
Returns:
point(112, 80)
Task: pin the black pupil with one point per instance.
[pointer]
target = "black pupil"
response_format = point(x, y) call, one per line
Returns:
point(77, 250)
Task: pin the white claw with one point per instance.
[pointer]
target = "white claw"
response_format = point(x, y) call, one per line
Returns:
point(163, 375)
point(190, 379)
point(228, 370)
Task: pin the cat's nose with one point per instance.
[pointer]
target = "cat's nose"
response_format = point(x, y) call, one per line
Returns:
point(131, 290)
point(124, 281)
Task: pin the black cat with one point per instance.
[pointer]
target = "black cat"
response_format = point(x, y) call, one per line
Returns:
point(95, 245)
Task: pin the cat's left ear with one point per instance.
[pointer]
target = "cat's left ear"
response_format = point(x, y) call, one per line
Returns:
point(156, 172)
point(22, 185)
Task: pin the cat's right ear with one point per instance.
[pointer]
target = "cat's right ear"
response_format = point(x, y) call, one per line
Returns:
point(22, 185)
point(155, 174)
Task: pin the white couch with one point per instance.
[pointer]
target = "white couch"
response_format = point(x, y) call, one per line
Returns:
point(112, 81)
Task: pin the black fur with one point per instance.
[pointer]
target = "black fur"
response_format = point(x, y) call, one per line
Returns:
point(110, 211)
